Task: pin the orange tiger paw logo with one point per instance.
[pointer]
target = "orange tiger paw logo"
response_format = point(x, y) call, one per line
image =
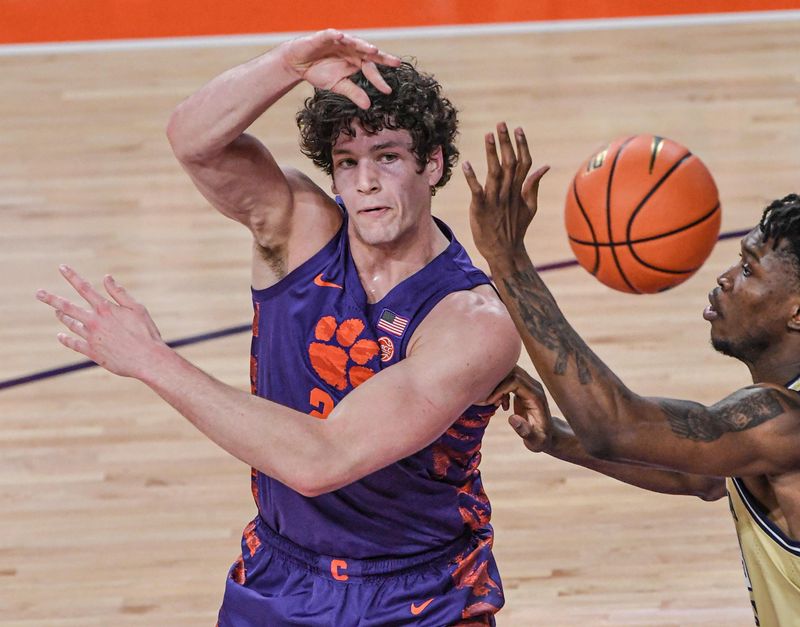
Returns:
point(345, 363)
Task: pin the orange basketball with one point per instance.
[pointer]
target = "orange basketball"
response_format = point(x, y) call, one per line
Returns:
point(642, 214)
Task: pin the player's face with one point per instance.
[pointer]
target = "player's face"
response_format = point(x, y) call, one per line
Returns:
point(754, 300)
point(379, 179)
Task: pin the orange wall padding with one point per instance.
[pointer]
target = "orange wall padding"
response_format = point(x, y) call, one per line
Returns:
point(31, 21)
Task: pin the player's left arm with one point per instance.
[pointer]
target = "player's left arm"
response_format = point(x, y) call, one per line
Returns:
point(458, 354)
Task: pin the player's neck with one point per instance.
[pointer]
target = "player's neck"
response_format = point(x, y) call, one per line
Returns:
point(382, 267)
point(777, 368)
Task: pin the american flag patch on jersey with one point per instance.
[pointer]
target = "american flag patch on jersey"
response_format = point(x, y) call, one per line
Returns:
point(392, 323)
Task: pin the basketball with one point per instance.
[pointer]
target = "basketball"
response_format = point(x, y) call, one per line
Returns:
point(642, 214)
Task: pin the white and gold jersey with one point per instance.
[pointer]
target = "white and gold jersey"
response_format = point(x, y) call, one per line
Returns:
point(771, 560)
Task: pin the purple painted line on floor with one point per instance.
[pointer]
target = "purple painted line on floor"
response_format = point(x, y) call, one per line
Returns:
point(204, 337)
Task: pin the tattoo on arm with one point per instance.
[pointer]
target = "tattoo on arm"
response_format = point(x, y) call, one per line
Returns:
point(547, 325)
point(695, 422)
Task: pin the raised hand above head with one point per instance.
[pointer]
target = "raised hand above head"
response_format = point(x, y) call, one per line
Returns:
point(328, 58)
point(502, 209)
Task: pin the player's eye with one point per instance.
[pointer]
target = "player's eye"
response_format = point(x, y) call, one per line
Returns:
point(388, 157)
point(746, 269)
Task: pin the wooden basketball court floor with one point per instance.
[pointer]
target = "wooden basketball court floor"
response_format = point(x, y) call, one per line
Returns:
point(115, 511)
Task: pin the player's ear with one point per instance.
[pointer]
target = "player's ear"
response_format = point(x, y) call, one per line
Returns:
point(435, 166)
point(794, 321)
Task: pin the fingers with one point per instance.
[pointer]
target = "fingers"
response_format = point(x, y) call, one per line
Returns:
point(493, 174)
point(509, 160)
point(530, 188)
point(475, 187)
point(368, 52)
point(373, 75)
point(524, 160)
point(520, 425)
point(519, 383)
point(78, 345)
point(349, 89)
point(63, 305)
point(118, 293)
point(82, 286)
point(78, 328)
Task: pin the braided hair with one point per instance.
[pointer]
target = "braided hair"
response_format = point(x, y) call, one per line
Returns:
point(781, 221)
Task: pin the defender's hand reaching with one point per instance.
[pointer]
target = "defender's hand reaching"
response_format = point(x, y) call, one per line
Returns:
point(501, 210)
point(118, 335)
point(531, 418)
point(328, 58)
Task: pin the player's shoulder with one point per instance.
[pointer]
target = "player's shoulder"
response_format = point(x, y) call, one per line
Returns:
point(473, 319)
point(764, 399)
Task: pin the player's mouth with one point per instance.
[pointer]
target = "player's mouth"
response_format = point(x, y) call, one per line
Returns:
point(712, 311)
point(374, 211)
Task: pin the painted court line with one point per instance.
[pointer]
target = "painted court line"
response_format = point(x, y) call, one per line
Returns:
point(204, 337)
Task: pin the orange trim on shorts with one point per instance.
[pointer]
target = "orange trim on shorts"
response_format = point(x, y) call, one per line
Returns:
point(30, 21)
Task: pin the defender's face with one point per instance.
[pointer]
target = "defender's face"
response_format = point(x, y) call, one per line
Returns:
point(378, 178)
point(754, 301)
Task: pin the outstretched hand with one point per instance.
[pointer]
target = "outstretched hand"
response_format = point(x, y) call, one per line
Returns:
point(531, 418)
point(502, 209)
point(328, 58)
point(117, 334)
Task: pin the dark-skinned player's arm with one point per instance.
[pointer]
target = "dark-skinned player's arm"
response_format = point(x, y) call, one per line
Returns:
point(235, 172)
point(754, 431)
point(393, 414)
point(544, 433)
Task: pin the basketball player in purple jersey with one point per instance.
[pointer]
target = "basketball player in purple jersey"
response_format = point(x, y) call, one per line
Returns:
point(751, 437)
point(373, 339)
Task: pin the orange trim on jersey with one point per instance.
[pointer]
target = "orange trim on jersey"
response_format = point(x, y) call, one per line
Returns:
point(29, 21)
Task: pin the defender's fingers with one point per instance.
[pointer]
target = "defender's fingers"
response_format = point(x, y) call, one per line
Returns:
point(491, 158)
point(530, 189)
point(509, 160)
point(72, 324)
point(472, 180)
point(118, 293)
point(504, 388)
point(524, 160)
point(506, 148)
point(520, 425)
point(82, 286)
point(62, 304)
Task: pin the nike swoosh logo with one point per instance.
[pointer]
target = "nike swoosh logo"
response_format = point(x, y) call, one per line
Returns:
point(318, 280)
point(416, 609)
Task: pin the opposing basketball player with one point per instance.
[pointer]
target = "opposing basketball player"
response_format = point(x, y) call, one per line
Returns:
point(373, 339)
point(752, 436)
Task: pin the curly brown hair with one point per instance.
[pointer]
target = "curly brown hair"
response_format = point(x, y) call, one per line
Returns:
point(416, 105)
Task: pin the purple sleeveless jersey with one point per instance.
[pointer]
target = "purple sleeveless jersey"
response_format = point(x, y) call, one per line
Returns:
point(315, 338)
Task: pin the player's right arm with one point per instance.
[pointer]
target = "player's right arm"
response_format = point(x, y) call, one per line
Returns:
point(544, 433)
point(235, 171)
